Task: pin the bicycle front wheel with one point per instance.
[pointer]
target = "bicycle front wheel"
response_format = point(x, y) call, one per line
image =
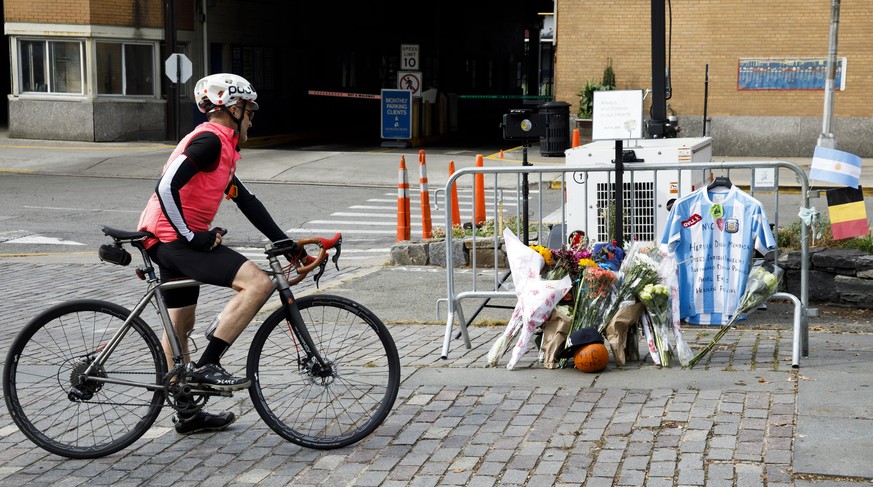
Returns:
point(71, 415)
point(328, 407)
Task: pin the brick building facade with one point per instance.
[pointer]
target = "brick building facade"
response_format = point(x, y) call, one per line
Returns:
point(772, 122)
point(94, 69)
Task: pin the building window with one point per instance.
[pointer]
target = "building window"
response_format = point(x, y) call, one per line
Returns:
point(51, 66)
point(125, 69)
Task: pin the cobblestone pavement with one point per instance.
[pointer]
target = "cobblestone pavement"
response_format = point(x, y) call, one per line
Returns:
point(729, 422)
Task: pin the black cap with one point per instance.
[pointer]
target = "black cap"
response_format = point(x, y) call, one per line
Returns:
point(580, 338)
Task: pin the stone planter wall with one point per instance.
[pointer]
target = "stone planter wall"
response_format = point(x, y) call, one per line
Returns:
point(433, 252)
point(839, 276)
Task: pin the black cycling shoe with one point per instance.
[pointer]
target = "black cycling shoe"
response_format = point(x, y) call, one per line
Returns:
point(202, 421)
point(215, 377)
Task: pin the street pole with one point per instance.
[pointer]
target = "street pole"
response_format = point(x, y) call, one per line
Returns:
point(658, 122)
point(619, 194)
point(525, 193)
point(827, 138)
point(172, 88)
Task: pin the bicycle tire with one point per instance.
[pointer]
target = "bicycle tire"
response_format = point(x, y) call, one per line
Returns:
point(325, 412)
point(40, 369)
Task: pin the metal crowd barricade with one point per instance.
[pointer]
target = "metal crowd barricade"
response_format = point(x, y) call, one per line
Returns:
point(454, 297)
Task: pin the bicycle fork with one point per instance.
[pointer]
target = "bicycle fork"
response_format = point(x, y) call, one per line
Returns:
point(314, 362)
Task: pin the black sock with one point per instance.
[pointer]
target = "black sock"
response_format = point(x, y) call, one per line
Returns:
point(213, 352)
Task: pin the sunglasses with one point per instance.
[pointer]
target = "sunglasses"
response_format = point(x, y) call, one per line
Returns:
point(251, 114)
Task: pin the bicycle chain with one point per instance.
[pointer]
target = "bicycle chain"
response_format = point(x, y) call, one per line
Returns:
point(167, 395)
point(194, 403)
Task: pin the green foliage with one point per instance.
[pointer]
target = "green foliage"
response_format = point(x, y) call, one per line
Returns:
point(586, 96)
point(608, 75)
point(789, 238)
point(608, 215)
point(487, 229)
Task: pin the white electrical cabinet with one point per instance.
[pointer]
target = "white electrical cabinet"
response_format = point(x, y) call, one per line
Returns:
point(647, 194)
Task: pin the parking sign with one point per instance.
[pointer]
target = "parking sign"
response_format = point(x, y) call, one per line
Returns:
point(396, 114)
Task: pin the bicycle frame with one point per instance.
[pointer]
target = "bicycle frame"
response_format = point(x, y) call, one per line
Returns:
point(155, 294)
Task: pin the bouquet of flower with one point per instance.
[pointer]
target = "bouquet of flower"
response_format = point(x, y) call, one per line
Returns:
point(763, 281)
point(594, 298)
point(565, 261)
point(656, 298)
point(537, 298)
point(670, 278)
point(638, 269)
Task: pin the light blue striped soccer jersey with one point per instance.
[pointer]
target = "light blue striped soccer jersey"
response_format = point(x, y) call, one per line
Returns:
point(714, 235)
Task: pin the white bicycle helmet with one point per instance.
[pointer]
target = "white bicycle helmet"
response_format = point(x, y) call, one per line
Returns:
point(221, 90)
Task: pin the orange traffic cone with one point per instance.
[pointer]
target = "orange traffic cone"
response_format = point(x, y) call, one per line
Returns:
point(501, 153)
point(575, 137)
point(426, 228)
point(456, 210)
point(403, 224)
point(479, 193)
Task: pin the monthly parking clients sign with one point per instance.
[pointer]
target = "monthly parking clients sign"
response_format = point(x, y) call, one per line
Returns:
point(396, 114)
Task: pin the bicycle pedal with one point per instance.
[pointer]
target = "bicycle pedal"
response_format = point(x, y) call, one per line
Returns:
point(208, 391)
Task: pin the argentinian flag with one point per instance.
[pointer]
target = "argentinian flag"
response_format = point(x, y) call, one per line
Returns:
point(836, 167)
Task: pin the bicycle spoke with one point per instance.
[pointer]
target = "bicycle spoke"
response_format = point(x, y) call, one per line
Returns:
point(332, 406)
point(60, 409)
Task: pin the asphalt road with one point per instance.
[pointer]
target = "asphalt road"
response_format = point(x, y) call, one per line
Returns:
point(47, 214)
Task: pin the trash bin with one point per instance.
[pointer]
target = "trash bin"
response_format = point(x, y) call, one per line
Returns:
point(557, 138)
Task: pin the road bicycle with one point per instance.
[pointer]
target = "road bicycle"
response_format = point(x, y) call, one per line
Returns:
point(87, 378)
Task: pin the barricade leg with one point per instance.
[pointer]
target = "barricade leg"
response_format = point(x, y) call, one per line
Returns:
point(455, 314)
point(798, 329)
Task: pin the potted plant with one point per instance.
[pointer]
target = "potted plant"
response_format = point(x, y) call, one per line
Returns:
point(586, 96)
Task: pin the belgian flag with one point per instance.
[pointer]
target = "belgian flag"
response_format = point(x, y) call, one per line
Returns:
point(847, 212)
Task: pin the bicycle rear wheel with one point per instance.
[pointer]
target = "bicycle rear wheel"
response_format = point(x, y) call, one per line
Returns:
point(74, 417)
point(332, 407)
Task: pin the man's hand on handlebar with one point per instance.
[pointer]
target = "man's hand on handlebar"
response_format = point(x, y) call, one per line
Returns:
point(297, 256)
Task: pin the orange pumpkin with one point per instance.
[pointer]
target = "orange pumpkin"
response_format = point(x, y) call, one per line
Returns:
point(591, 358)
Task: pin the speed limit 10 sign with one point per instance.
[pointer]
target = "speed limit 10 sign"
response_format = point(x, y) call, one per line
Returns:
point(409, 57)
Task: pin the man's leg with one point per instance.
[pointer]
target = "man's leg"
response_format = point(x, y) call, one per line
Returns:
point(183, 323)
point(181, 304)
point(253, 287)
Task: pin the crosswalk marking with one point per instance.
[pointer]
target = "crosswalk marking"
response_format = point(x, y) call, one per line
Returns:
point(23, 237)
point(331, 231)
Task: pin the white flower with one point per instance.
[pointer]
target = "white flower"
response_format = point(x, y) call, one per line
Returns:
point(643, 259)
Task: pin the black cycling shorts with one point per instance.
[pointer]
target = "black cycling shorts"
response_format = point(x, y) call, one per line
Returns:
point(176, 260)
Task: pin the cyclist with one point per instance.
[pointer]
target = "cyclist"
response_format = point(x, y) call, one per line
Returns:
point(198, 175)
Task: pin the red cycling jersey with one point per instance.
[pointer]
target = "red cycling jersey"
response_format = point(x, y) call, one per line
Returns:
point(170, 219)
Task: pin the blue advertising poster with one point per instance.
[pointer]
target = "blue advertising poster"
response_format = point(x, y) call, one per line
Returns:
point(396, 114)
point(788, 74)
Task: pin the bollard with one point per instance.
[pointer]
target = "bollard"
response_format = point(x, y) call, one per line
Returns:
point(424, 196)
point(479, 193)
point(456, 210)
point(575, 137)
point(403, 224)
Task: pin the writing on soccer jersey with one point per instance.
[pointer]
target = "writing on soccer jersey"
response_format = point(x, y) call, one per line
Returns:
point(732, 245)
point(691, 220)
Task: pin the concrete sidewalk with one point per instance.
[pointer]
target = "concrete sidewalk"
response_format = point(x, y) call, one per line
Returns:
point(327, 165)
point(743, 417)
